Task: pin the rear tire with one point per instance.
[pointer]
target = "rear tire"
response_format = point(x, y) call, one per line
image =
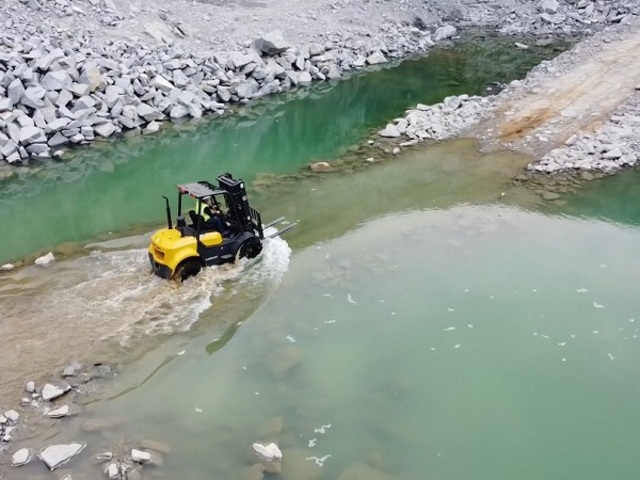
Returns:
point(188, 268)
point(250, 248)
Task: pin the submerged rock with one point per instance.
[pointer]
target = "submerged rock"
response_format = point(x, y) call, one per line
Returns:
point(269, 456)
point(322, 167)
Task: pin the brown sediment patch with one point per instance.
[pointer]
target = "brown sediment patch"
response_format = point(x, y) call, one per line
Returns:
point(566, 99)
point(523, 125)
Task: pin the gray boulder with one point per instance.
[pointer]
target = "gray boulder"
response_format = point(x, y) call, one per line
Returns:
point(148, 113)
point(57, 455)
point(49, 391)
point(376, 58)
point(445, 32)
point(272, 43)
point(29, 135)
point(56, 80)
point(105, 130)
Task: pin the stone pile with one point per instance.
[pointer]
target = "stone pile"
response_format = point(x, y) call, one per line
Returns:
point(63, 82)
point(565, 16)
point(615, 145)
point(57, 88)
point(8, 425)
point(437, 122)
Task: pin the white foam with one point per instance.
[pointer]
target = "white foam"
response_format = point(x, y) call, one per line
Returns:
point(121, 298)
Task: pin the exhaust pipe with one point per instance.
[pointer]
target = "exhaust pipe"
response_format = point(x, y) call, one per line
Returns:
point(169, 222)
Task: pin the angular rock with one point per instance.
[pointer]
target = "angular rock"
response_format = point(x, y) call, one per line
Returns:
point(269, 456)
point(178, 112)
point(153, 127)
point(6, 104)
point(56, 80)
point(63, 411)
point(56, 455)
point(51, 392)
point(612, 154)
point(112, 471)
point(15, 91)
point(376, 57)
point(105, 130)
point(445, 32)
point(12, 415)
point(140, 456)
point(21, 457)
point(57, 140)
point(148, 113)
point(549, 6)
point(9, 148)
point(161, 83)
point(29, 135)
point(272, 43)
point(390, 131)
point(91, 76)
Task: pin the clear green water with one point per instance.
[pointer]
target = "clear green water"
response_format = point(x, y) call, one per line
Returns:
point(470, 342)
point(117, 187)
point(424, 326)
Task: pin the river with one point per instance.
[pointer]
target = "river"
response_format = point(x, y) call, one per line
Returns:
point(425, 319)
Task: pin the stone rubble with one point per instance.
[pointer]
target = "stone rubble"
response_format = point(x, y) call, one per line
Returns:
point(437, 122)
point(82, 72)
point(616, 145)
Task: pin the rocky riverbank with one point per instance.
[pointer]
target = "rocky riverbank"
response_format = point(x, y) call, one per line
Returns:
point(574, 114)
point(91, 69)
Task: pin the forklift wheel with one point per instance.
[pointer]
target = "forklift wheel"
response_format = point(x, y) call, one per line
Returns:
point(186, 269)
point(250, 248)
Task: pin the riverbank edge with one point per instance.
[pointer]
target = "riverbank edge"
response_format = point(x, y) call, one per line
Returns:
point(56, 93)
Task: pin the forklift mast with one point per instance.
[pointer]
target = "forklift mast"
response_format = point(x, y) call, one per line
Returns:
point(249, 217)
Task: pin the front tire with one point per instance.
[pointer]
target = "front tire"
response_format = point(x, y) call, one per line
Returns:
point(250, 248)
point(188, 268)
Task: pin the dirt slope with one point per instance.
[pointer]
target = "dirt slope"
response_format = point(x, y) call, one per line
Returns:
point(577, 95)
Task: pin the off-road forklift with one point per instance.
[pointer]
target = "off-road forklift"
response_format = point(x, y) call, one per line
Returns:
point(222, 227)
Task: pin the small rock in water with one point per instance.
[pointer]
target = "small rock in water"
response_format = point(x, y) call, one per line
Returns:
point(12, 415)
point(22, 457)
point(113, 471)
point(45, 260)
point(72, 369)
point(322, 167)
point(550, 195)
point(57, 455)
point(50, 392)
point(63, 411)
point(7, 267)
point(269, 456)
point(30, 387)
point(140, 456)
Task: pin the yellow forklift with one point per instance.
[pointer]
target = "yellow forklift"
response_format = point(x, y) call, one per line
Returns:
point(222, 226)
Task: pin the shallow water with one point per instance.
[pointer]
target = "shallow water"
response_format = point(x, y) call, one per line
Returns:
point(469, 342)
point(119, 186)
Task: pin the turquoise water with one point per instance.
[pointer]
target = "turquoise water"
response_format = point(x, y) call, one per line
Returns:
point(424, 320)
point(119, 186)
point(470, 342)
